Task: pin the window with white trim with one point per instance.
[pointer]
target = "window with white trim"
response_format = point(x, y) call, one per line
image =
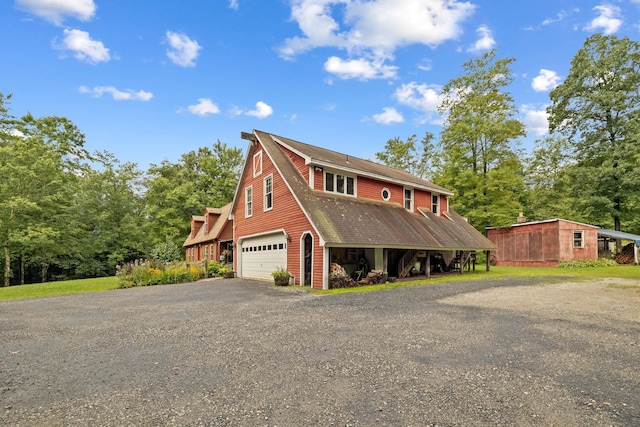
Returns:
point(578, 239)
point(408, 199)
point(337, 183)
point(268, 193)
point(386, 194)
point(257, 164)
point(248, 201)
point(435, 203)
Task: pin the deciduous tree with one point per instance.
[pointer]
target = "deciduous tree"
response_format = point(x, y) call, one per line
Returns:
point(597, 108)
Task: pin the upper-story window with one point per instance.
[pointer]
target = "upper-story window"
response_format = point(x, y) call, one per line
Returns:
point(248, 201)
point(206, 222)
point(268, 193)
point(257, 164)
point(337, 183)
point(435, 204)
point(578, 239)
point(408, 199)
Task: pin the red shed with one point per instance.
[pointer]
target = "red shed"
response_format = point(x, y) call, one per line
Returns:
point(544, 243)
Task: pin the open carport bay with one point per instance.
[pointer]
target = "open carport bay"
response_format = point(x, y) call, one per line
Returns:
point(244, 353)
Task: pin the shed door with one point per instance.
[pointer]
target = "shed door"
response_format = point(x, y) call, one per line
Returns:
point(262, 255)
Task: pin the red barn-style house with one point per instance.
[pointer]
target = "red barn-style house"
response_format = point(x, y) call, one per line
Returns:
point(211, 236)
point(302, 208)
point(544, 243)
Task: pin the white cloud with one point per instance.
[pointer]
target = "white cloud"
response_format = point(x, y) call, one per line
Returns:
point(183, 51)
point(55, 11)
point(373, 29)
point(485, 42)
point(423, 97)
point(359, 69)
point(203, 107)
point(545, 81)
point(262, 111)
point(608, 19)
point(233, 4)
point(425, 65)
point(388, 116)
point(116, 94)
point(85, 49)
point(536, 121)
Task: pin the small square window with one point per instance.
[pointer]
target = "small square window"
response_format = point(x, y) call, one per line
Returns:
point(578, 239)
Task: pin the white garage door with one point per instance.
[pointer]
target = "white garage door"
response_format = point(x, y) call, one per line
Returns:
point(262, 255)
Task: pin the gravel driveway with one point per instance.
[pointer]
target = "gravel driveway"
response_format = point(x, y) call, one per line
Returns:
point(243, 353)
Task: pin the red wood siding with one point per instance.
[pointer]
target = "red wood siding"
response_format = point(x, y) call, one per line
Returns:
point(298, 162)
point(421, 199)
point(542, 244)
point(371, 189)
point(318, 179)
point(286, 214)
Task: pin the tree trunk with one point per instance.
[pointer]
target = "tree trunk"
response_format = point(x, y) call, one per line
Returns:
point(22, 270)
point(7, 265)
point(44, 268)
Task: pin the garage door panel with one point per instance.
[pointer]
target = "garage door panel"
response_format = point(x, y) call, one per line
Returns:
point(262, 255)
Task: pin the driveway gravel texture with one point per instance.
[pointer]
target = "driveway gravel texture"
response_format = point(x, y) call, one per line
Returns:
point(234, 352)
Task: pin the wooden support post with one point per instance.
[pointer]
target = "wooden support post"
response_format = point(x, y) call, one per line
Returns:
point(488, 262)
point(428, 265)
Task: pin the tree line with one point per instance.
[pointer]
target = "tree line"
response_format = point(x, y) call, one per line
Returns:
point(586, 170)
point(67, 213)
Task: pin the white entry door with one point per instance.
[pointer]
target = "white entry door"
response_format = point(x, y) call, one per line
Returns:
point(263, 254)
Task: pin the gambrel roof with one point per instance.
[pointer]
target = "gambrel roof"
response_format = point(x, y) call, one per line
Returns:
point(350, 221)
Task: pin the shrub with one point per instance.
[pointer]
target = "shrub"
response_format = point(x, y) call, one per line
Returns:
point(587, 263)
point(149, 273)
point(217, 269)
point(166, 252)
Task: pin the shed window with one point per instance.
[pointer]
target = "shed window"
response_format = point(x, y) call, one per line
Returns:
point(435, 203)
point(578, 239)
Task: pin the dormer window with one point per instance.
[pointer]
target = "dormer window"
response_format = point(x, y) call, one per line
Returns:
point(338, 183)
point(206, 223)
point(435, 204)
point(408, 199)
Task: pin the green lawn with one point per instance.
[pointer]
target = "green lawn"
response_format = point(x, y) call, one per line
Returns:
point(497, 273)
point(502, 273)
point(59, 288)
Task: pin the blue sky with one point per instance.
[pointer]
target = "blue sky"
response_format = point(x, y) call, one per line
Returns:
point(151, 80)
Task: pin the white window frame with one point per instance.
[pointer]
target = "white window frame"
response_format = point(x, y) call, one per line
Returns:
point(435, 203)
point(385, 189)
point(411, 198)
point(334, 182)
point(581, 239)
point(257, 164)
point(248, 201)
point(268, 194)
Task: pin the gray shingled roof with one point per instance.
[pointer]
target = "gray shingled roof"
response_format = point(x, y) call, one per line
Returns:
point(216, 227)
point(349, 221)
point(327, 158)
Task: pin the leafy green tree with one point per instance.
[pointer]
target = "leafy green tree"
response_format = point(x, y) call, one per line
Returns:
point(548, 179)
point(109, 211)
point(175, 191)
point(478, 143)
point(597, 108)
point(408, 156)
point(166, 252)
point(39, 159)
